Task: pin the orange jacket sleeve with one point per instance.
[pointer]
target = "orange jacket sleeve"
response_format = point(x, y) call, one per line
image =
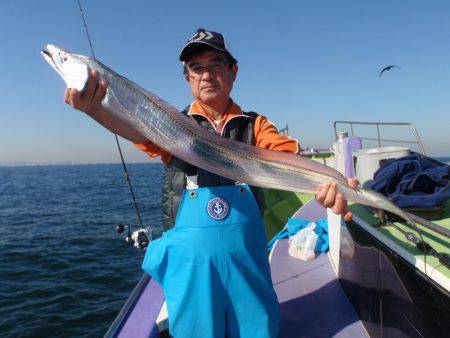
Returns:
point(154, 151)
point(267, 136)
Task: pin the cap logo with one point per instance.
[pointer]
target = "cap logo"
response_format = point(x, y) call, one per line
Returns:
point(218, 208)
point(201, 36)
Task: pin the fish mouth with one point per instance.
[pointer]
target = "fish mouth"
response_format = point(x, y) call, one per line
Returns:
point(49, 58)
point(46, 52)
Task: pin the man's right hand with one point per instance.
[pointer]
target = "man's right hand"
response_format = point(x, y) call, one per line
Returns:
point(89, 100)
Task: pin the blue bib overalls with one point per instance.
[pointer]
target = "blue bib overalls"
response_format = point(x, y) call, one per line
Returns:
point(214, 268)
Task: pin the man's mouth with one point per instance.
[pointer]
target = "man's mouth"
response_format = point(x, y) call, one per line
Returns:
point(209, 87)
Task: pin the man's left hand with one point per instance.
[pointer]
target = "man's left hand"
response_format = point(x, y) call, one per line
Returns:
point(329, 198)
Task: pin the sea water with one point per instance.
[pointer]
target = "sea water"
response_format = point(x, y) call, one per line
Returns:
point(64, 271)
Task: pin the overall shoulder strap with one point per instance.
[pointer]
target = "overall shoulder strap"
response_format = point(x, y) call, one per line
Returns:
point(258, 193)
point(250, 134)
point(185, 111)
point(253, 115)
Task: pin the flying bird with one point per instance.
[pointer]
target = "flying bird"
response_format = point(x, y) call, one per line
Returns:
point(385, 69)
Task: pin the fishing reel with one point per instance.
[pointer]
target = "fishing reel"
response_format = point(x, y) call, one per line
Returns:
point(139, 238)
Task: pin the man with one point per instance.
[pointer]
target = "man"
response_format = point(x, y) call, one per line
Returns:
point(213, 264)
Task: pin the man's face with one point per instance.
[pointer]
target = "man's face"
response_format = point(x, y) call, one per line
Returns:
point(210, 77)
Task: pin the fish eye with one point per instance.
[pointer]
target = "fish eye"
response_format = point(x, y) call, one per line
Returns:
point(63, 57)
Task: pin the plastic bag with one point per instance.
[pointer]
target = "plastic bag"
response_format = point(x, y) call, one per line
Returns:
point(303, 243)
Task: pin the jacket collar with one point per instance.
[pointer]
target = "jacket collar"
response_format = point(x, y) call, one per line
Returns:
point(232, 111)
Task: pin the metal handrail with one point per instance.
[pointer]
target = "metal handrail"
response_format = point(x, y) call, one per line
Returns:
point(379, 139)
point(285, 130)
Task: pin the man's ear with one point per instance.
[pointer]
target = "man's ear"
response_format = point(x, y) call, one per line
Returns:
point(186, 76)
point(234, 70)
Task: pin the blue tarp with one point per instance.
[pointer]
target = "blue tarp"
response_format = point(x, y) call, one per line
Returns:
point(413, 181)
point(294, 225)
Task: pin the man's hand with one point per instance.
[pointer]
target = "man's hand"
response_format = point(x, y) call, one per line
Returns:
point(329, 198)
point(89, 100)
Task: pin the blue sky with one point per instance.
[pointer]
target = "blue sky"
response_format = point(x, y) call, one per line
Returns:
point(305, 63)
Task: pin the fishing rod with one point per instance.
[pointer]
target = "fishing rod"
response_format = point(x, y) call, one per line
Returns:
point(141, 235)
point(382, 219)
point(420, 220)
point(423, 246)
point(430, 225)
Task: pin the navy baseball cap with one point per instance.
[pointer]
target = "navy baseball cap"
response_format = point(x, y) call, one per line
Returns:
point(203, 37)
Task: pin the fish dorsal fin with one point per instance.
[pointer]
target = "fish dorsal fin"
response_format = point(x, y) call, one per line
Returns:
point(166, 106)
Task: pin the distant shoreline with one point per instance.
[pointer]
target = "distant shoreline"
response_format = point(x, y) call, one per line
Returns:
point(70, 164)
point(444, 159)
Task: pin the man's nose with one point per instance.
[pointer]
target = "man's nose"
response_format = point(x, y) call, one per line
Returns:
point(206, 74)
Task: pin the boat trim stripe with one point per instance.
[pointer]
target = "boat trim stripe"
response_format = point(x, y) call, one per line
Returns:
point(433, 273)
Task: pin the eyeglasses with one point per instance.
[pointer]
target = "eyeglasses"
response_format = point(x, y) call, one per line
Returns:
point(216, 68)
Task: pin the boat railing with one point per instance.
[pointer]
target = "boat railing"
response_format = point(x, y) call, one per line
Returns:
point(116, 326)
point(316, 152)
point(379, 139)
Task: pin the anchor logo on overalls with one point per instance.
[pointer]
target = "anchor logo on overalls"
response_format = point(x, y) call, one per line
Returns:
point(217, 208)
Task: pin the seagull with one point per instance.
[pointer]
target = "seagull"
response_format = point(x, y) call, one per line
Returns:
point(385, 69)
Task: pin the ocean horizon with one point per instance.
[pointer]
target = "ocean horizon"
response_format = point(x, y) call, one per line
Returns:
point(443, 159)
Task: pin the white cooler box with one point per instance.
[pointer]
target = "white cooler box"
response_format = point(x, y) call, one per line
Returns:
point(367, 161)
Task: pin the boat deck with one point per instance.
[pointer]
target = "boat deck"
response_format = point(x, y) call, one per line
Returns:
point(312, 301)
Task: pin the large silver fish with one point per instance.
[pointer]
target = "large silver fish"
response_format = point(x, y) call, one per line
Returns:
point(165, 126)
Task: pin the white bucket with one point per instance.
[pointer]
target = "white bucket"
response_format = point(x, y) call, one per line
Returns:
point(367, 161)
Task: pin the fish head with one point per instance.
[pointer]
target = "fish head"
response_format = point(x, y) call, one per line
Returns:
point(73, 68)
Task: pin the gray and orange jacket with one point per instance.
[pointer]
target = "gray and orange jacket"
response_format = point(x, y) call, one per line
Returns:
point(237, 125)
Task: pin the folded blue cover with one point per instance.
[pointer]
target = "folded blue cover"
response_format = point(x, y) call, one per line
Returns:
point(413, 181)
point(294, 225)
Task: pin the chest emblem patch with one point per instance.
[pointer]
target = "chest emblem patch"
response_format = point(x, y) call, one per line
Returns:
point(218, 208)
